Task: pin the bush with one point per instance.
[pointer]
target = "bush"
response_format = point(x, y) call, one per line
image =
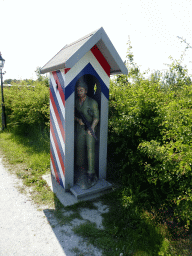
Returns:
point(134, 117)
point(150, 139)
point(27, 106)
point(168, 163)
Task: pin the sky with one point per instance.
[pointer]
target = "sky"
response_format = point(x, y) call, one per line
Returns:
point(33, 31)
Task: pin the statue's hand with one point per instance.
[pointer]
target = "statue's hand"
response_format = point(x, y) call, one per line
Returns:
point(90, 132)
point(81, 122)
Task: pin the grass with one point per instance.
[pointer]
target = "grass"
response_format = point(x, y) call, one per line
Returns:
point(122, 234)
point(28, 158)
point(77, 251)
point(130, 230)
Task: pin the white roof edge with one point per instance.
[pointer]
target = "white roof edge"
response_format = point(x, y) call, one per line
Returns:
point(73, 59)
point(54, 68)
point(114, 53)
point(97, 35)
point(83, 50)
point(48, 69)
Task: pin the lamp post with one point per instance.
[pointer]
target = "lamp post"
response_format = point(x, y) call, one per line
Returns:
point(2, 61)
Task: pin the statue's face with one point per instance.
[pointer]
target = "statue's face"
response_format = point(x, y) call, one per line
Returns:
point(81, 92)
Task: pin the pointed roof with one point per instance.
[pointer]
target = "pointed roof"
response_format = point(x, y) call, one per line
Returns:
point(70, 54)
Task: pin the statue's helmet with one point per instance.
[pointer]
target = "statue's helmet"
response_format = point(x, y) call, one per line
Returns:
point(82, 83)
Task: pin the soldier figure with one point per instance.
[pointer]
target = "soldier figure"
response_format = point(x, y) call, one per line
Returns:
point(85, 142)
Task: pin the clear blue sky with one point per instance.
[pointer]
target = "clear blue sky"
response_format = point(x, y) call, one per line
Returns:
point(33, 31)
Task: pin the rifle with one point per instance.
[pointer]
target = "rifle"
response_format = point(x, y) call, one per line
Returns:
point(87, 124)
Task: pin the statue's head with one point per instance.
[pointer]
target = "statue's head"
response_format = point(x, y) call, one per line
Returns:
point(82, 83)
point(81, 88)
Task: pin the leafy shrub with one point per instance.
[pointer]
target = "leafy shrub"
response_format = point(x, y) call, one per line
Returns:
point(27, 106)
point(134, 117)
point(150, 140)
point(168, 163)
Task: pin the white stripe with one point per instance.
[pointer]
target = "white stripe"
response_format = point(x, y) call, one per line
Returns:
point(77, 68)
point(63, 75)
point(57, 159)
point(57, 128)
point(99, 69)
point(58, 96)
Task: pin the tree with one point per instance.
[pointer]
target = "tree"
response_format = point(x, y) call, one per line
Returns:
point(40, 77)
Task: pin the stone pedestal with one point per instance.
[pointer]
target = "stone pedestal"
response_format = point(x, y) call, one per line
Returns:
point(76, 194)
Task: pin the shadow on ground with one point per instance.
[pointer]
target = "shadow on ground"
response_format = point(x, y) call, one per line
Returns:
point(62, 221)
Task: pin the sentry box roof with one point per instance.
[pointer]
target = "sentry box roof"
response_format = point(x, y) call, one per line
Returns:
point(72, 53)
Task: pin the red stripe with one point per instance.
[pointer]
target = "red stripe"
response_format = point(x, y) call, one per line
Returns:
point(66, 70)
point(58, 117)
point(54, 167)
point(101, 59)
point(59, 87)
point(57, 148)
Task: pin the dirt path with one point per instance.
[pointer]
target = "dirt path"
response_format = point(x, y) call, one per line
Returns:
point(25, 231)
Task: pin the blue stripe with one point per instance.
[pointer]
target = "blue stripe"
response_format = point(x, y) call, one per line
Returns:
point(55, 161)
point(57, 138)
point(87, 70)
point(57, 105)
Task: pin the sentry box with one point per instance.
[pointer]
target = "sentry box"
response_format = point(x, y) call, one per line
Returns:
point(92, 58)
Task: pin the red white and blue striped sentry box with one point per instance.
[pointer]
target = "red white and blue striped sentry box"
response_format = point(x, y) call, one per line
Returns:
point(95, 58)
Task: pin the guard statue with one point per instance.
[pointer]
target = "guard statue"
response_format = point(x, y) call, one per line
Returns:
point(86, 120)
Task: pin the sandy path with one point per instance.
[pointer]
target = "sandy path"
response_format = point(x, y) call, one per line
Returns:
point(25, 231)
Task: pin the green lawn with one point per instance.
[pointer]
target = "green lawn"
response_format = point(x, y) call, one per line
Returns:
point(131, 230)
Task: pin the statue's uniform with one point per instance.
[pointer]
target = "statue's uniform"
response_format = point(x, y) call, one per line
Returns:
point(90, 111)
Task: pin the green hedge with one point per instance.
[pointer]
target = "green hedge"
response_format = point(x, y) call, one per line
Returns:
point(150, 141)
point(27, 106)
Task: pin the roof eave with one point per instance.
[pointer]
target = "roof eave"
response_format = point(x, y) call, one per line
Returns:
point(117, 72)
point(53, 68)
point(114, 54)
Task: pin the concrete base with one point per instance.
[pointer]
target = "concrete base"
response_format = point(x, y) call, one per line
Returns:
point(76, 194)
point(100, 187)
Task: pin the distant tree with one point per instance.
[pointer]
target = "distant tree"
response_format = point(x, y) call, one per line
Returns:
point(177, 72)
point(40, 77)
point(12, 81)
point(8, 81)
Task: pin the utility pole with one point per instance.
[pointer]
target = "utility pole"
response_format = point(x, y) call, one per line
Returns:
point(4, 125)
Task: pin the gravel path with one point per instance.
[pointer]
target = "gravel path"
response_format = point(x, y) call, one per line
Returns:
point(25, 231)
